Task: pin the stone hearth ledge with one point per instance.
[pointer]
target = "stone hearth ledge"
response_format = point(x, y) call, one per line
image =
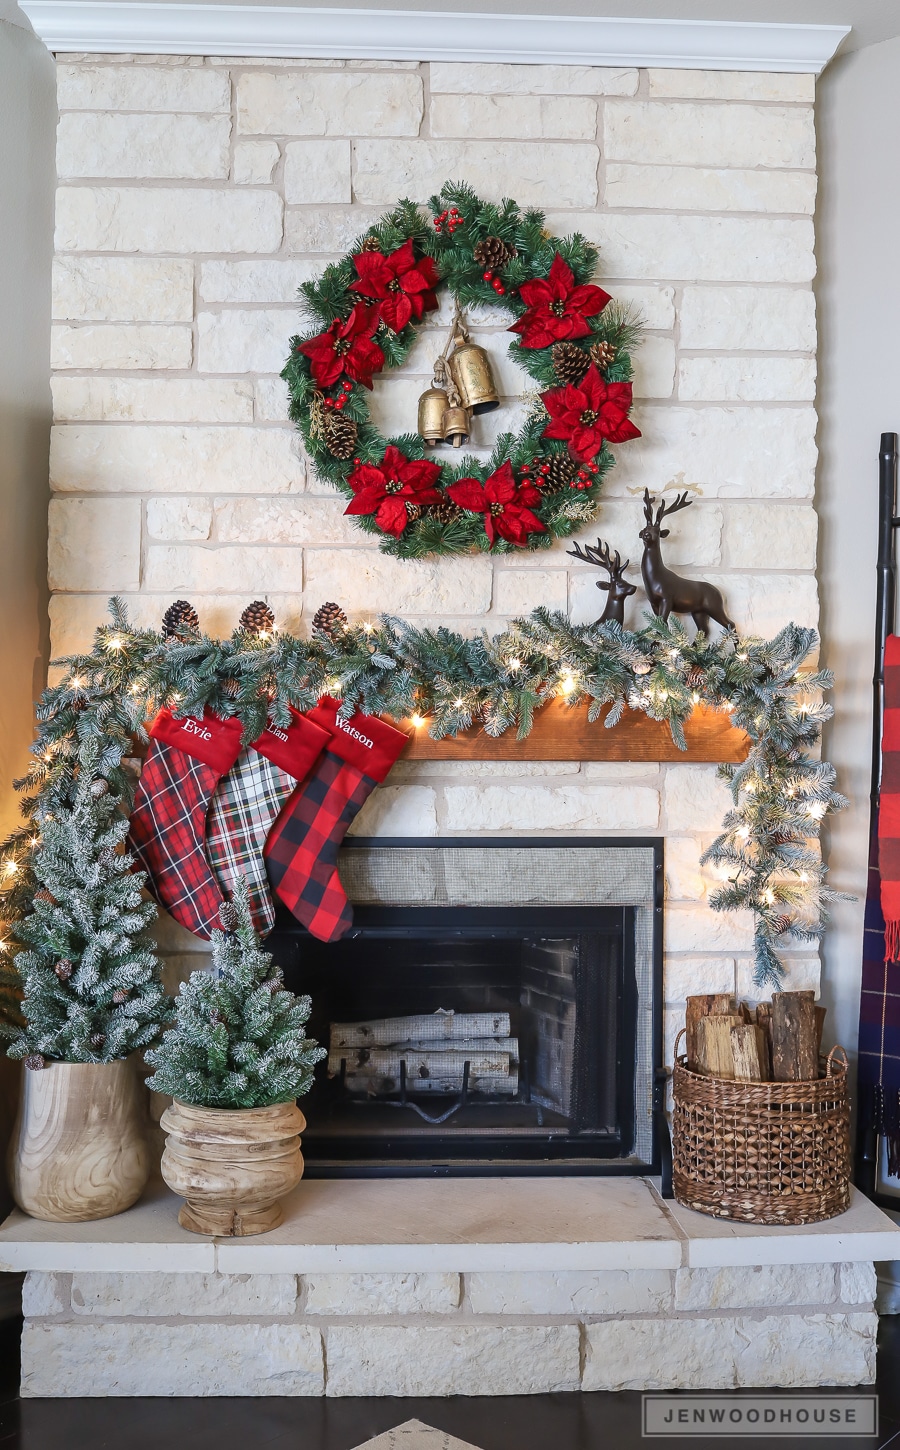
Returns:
point(460, 1225)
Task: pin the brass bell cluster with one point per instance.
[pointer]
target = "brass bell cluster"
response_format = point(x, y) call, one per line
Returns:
point(463, 384)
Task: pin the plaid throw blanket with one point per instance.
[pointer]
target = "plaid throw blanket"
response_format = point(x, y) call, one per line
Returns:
point(879, 1010)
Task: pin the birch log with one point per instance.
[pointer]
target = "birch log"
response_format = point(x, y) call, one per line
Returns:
point(431, 1027)
point(385, 1062)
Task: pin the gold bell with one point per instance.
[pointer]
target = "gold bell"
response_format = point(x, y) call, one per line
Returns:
point(456, 425)
point(470, 369)
point(432, 411)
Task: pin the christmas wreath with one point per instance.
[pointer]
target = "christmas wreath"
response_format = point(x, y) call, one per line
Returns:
point(572, 340)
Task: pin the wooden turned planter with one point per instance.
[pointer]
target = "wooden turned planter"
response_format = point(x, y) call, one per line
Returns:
point(79, 1150)
point(232, 1165)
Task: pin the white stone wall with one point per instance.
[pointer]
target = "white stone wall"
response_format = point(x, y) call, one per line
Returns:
point(196, 194)
point(448, 1333)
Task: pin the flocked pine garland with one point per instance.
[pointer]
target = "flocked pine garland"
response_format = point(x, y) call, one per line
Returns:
point(767, 853)
point(363, 312)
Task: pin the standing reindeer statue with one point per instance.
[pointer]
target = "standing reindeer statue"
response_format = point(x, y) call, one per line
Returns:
point(618, 586)
point(666, 591)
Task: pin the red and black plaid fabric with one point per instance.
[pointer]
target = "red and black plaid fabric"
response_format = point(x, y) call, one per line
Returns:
point(301, 852)
point(185, 762)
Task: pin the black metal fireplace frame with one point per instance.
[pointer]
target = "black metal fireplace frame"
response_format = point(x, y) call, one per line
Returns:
point(390, 921)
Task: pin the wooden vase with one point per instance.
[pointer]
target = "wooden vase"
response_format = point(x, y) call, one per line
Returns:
point(79, 1147)
point(232, 1165)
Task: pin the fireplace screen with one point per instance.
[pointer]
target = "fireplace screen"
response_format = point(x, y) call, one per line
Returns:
point(494, 1009)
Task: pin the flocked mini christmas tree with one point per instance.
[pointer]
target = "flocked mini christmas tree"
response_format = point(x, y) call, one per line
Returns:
point(89, 974)
point(238, 1039)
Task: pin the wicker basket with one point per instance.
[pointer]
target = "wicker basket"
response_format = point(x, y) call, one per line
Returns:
point(762, 1152)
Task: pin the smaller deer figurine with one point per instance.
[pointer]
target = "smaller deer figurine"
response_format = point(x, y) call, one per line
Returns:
point(617, 585)
point(666, 591)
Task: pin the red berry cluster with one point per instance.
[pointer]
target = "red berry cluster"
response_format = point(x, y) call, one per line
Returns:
point(495, 282)
point(451, 219)
point(338, 403)
point(585, 478)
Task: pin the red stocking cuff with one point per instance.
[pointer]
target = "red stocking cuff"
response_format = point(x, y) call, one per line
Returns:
point(215, 742)
point(296, 748)
point(363, 740)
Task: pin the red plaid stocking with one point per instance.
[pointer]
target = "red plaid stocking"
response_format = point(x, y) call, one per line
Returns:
point(246, 802)
point(183, 766)
point(301, 852)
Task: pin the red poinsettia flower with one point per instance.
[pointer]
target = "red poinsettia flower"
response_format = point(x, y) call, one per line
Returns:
point(589, 413)
point(503, 503)
point(404, 287)
point(346, 347)
point(385, 490)
point(557, 309)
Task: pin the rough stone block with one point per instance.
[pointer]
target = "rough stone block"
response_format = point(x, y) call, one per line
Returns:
point(531, 80)
point(725, 85)
point(697, 188)
point(764, 603)
point(382, 1293)
point(765, 1286)
point(551, 808)
point(254, 162)
point(685, 880)
point(221, 570)
point(524, 118)
point(695, 248)
point(146, 459)
point(151, 400)
point(654, 368)
point(94, 543)
point(858, 1283)
point(518, 591)
point(619, 770)
point(614, 1291)
point(780, 536)
point(552, 174)
point(334, 230)
point(748, 319)
point(698, 929)
point(179, 518)
point(687, 976)
point(747, 379)
point(317, 171)
point(810, 1349)
point(329, 104)
point(727, 135)
point(470, 1359)
point(304, 520)
point(696, 540)
point(656, 305)
point(131, 87)
point(120, 345)
point(125, 1359)
point(44, 1294)
point(92, 144)
point(406, 810)
point(257, 281)
point(253, 341)
point(273, 401)
point(166, 219)
point(115, 1296)
point(427, 586)
point(746, 452)
point(695, 798)
point(123, 289)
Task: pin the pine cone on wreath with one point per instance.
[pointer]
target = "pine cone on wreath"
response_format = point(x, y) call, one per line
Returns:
point(445, 512)
point(35, 1062)
point(413, 512)
point(570, 362)
point(561, 470)
point(257, 618)
point(228, 916)
point(180, 620)
point(603, 354)
point(370, 243)
point(341, 435)
point(330, 619)
point(492, 253)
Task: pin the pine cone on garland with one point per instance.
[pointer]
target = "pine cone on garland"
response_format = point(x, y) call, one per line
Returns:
point(120, 995)
point(694, 678)
point(231, 688)
point(341, 435)
point(45, 896)
point(561, 471)
point(781, 924)
point(445, 512)
point(180, 620)
point(99, 788)
point(570, 362)
point(492, 253)
point(108, 857)
point(257, 618)
point(35, 1061)
point(330, 619)
point(98, 1039)
point(64, 969)
point(228, 916)
point(603, 354)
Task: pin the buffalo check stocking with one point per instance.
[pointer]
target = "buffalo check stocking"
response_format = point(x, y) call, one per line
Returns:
point(186, 759)
point(301, 852)
point(246, 802)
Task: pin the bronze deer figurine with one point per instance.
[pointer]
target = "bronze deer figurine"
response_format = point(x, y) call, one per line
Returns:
point(617, 585)
point(666, 591)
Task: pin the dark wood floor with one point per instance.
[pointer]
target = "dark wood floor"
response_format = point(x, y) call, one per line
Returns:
point(535, 1422)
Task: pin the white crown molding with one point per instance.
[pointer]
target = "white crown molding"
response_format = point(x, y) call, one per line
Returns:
point(111, 26)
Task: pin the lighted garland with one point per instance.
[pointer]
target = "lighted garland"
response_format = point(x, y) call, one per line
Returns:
point(540, 485)
point(767, 853)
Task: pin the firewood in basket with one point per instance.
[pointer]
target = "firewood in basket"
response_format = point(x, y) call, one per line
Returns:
point(697, 1007)
point(745, 1050)
point(821, 1013)
point(795, 1055)
point(714, 1055)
